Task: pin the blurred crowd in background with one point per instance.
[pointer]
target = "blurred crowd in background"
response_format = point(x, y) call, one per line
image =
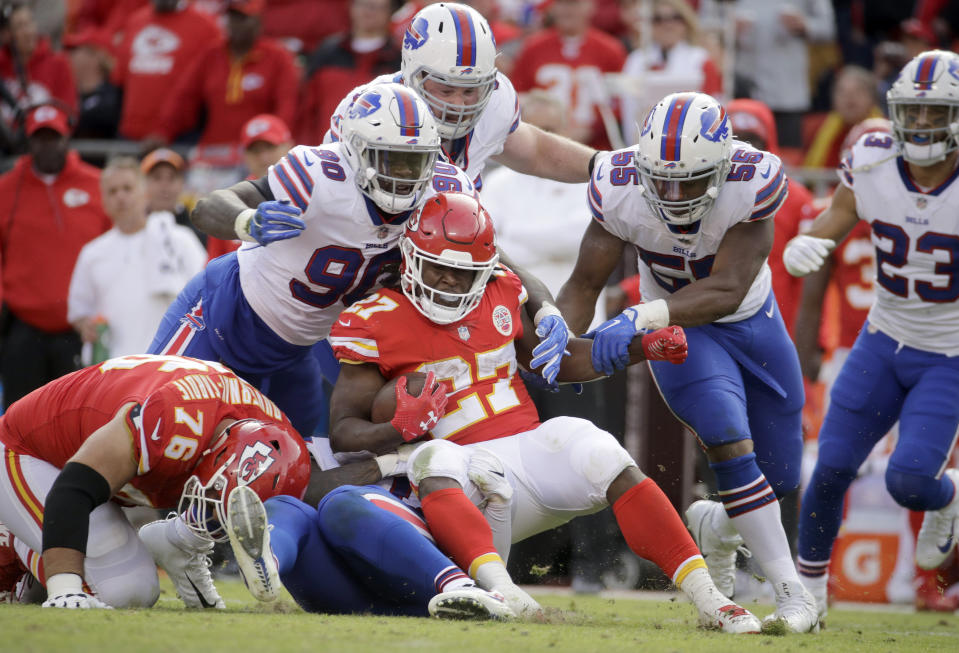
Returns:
point(186, 96)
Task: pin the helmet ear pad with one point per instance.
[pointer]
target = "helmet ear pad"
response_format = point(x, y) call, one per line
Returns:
point(451, 230)
point(389, 138)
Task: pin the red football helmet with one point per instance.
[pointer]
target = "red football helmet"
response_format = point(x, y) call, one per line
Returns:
point(265, 456)
point(452, 230)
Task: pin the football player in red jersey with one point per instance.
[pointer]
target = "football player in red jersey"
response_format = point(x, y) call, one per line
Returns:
point(159, 431)
point(459, 316)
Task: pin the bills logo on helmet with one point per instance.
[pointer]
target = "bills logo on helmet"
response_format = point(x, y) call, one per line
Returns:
point(365, 105)
point(715, 124)
point(648, 124)
point(254, 461)
point(416, 34)
point(954, 68)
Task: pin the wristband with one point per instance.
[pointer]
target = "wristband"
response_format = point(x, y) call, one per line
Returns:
point(67, 583)
point(242, 225)
point(387, 463)
point(656, 314)
point(544, 310)
point(592, 163)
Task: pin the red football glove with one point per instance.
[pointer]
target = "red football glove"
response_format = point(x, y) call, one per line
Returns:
point(415, 416)
point(667, 344)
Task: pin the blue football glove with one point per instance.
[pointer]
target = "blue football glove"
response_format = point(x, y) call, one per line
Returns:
point(610, 351)
point(270, 221)
point(553, 334)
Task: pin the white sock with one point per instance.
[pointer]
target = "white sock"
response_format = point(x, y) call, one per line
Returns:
point(701, 590)
point(492, 574)
point(763, 533)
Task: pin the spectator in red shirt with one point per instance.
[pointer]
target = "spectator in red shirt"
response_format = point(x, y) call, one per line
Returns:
point(854, 98)
point(569, 59)
point(265, 139)
point(49, 208)
point(303, 24)
point(753, 122)
point(160, 43)
point(247, 76)
point(29, 68)
point(346, 61)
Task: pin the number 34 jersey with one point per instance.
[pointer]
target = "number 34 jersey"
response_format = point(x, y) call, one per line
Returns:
point(178, 401)
point(916, 236)
point(755, 188)
point(298, 286)
point(475, 357)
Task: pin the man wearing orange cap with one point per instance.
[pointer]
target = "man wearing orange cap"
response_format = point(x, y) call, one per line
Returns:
point(248, 76)
point(49, 208)
point(164, 172)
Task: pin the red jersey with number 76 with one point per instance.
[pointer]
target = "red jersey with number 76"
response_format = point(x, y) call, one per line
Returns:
point(178, 403)
point(474, 357)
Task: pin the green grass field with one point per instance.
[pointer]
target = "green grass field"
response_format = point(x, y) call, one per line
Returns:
point(576, 623)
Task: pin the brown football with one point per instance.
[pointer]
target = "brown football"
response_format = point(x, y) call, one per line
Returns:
point(384, 403)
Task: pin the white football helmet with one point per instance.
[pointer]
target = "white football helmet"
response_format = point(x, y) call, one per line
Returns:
point(924, 107)
point(451, 44)
point(683, 156)
point(451, 230)
point(389, 138)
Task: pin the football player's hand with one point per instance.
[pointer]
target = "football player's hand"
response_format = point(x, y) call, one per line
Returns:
point(416, 415)
point(667, 344)
point(806, 254)
point(553, 336)
point(66, 591)
point(269, 222)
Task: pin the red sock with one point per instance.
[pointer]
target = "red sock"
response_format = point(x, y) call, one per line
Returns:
point(459, 528)
point(652, 528)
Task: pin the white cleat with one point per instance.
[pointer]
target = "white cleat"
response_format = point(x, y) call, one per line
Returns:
point(249, 532)
point(730, 618)
point(795, 614)
point(189, 570)
point(470, 603)
point(719, 553)
point(937, 537)
point(522, 604)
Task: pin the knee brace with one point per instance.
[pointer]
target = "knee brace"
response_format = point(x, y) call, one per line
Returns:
point(439, 458)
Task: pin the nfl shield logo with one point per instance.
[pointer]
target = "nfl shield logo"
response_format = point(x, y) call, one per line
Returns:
point(921, 202)
point(464, 333)
point(382, 232)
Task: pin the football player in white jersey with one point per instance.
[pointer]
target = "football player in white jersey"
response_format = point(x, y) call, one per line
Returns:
point(698, 207)
point(905, 362)
point(449, 59)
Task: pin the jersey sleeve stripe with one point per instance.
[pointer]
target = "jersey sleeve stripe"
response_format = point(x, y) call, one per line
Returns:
point(365, 347)
point(517, 116)
point(289, 186)
point(770, 208)
point(301, 172)
point(766, 192)
point(595, 201)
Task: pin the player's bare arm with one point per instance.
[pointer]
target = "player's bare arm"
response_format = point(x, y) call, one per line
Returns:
point(101, 466)
point(350, 412)
point(216, 213)
point(599, 253)
point(322, 482)
point(534, 152)
point(839, 219)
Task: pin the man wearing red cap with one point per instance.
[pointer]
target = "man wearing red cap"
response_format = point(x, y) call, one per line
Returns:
point(49, 208)
point(248, 76)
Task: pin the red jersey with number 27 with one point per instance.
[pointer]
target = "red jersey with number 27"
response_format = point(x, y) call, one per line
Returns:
point(178, 403)
point(474, 357)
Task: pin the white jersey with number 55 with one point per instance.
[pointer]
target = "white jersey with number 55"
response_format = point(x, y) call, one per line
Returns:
point(299, 286)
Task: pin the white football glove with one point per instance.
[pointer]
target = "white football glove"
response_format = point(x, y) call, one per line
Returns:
point(806, 254)
point(66, 591)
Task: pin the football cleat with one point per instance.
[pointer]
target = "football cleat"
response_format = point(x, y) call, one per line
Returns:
point(249, 533)
point(189, 570)
point(795, 612)
point(937, 537)
point(930, 597)
point(730, 618)
point(719, 553)
point(470, 603)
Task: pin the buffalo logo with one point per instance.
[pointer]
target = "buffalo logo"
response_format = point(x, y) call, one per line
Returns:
point(365, 105)
point(194, 319)
point(954, 68)
point(648, 124)
point(715, 127)
point(416, 34)
point(254, 461)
